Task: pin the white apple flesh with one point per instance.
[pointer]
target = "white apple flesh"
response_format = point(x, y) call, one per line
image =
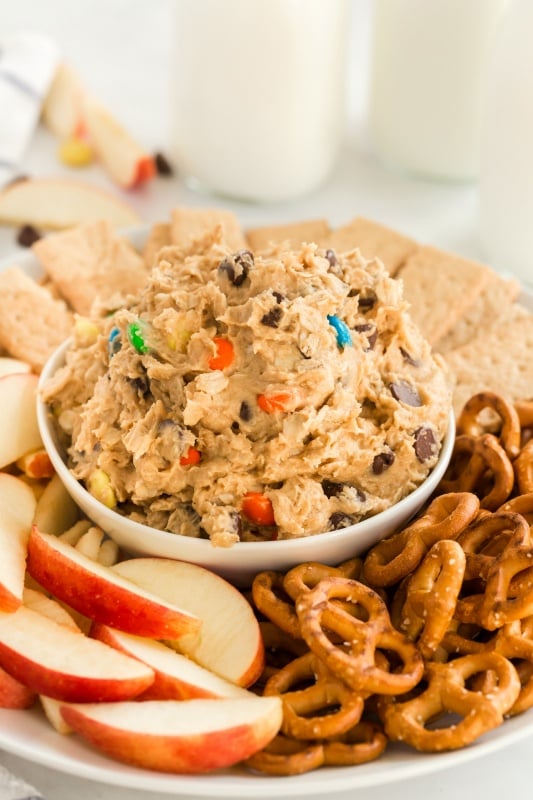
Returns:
point(176, 676)
point(231, 644)
point(19, 432)
point(101, 594)
point(52, 659)
point(187, 736)
point(17, 507)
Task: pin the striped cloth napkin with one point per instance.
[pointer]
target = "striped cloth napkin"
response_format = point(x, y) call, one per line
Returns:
point(28, 62)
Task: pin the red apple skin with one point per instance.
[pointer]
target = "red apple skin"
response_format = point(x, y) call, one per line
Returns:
point(57, 661)
point(181, 754)
point(14, 694)
point(99, 599)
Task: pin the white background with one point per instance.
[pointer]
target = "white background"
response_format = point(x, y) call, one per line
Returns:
point(121, 50)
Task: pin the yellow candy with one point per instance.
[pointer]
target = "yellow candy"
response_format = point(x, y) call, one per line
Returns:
point(99, 485)
point(85, 331)
point(74, 152)
point(179, 340)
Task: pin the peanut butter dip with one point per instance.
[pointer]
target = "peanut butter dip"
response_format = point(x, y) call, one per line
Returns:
point(246, 398)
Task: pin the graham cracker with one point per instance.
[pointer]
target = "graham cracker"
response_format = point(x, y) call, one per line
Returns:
point(159, 236)
point(441, 288)
point(494, 304)
point(188, 224)
point(374, 241)
point(498, 361)
point(313, 231)
point(90, 263)
point(33, 322)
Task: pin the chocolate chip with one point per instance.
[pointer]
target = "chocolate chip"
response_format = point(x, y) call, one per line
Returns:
point(237, 266)
point(382, 462)
point(409, 358)
point(367, 299)
point(405, 393)
point(332, 489)
point(235, 427)
point(278, 296)
point(425, 444)
point(28, 235)
point(331, 257)
point(372, 337)
point(162, 165)
point(245, 412)
point(340, 520)
point(272, 317)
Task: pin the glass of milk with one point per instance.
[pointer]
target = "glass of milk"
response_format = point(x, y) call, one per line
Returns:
point(428, 72)
point(258, 94)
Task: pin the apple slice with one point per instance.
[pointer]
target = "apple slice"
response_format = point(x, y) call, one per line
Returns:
point(54, 660)
point(56, 511)
point(59, 203)
point(8, 366)
point(101, 594)
point(36, 465)
point(62, 107)
point(123, 158)
point(19, 433)
point(52, 710)
point(17, 506)
point(48, 607)
point(231, 644)
point(14, 694)
point(176, 676)
point(187, 736)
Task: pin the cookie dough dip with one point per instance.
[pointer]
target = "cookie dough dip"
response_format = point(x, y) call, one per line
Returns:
point(246, 397)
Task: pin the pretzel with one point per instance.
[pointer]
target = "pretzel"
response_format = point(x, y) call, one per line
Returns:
point(270, 599)
point(489, 537)
point(523, 468)
point(394, 558)
point(325, 708)
point(479, 464)
point(511, 642)
point(286, 756)
point(470, 422)
point(356, 662)
point(522, 504)
point(431, 595)
point(280, 648)
point(446, 693)
point(508, 592)
point(305, 576)
point(524, 409)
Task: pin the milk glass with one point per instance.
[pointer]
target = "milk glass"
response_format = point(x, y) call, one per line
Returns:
point(257, 94)
point(428, 72)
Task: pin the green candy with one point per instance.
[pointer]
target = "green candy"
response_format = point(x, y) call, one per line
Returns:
point(136, 337)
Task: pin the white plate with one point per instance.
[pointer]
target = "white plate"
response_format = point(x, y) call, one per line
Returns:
point(27, 734)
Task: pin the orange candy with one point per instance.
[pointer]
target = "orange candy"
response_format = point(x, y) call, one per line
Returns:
point(258, 508)
point(225, 354)
point(192, 457)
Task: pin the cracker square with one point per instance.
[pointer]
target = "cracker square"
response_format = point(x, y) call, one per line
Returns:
point(313, 231)
point(493, 305)
point(374, 241)
point(499, 361)
point(189, 224)
point(441, 288)
point(33, 322)
point(89, 263)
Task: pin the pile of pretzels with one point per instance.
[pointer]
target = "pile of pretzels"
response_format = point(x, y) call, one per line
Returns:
point(427, 639)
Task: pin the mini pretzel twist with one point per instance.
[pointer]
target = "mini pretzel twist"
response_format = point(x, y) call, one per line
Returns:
point(323, 709)
point(447, 693)
point(523, 468)
point(479, 464)
point(524, 409)
point(470, 422)
point(280, 648)
point(357, 662)
point(513, 642)
point(394, 558)
point(306, 576)
point(508, 591)
point(431, 596)
point(270, 599)
point(521, 504)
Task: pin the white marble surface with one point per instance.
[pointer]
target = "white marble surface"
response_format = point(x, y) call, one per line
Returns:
point(121, 49)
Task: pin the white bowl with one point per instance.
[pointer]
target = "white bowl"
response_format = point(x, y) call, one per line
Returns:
point(241, 562)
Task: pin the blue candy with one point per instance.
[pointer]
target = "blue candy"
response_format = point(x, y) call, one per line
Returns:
point(114, 342)
point(342, 331)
